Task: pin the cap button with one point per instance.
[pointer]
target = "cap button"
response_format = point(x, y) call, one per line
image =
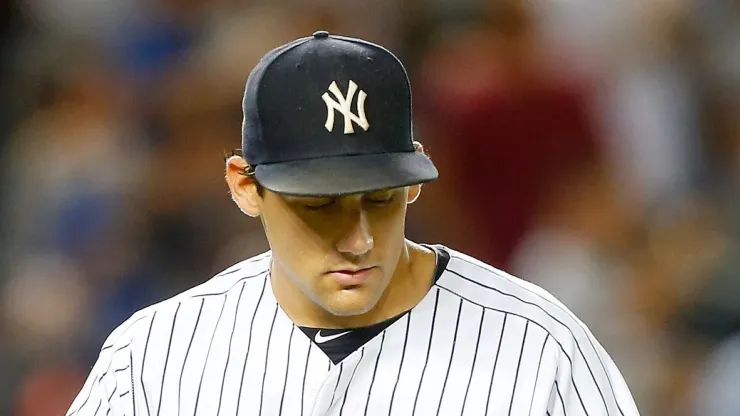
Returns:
point(321, 34)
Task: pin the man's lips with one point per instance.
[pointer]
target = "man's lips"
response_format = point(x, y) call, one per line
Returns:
point(352, 276)
point(351, 270)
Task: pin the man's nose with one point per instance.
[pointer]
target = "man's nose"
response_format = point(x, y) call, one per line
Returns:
point(358, 240)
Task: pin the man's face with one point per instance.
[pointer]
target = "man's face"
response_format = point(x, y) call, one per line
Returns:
point(341, 252)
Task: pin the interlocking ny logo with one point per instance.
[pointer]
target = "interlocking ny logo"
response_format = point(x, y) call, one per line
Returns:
point(343, 105)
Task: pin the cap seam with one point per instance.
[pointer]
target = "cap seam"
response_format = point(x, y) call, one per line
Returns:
point(258, 81)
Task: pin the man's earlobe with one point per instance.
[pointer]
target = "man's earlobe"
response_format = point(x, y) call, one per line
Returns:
point(414, 193)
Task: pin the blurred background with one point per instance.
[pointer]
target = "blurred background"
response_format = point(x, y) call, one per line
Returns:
point(590, 147)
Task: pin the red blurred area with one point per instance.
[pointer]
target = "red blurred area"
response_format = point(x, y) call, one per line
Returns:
point(48, 391)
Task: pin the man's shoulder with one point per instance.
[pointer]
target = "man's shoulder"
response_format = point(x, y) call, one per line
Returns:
point(483, 275)
point(247, 271)
point(138, 326)
point(498, 291)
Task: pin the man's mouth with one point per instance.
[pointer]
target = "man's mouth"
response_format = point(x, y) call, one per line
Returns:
point(352, 276)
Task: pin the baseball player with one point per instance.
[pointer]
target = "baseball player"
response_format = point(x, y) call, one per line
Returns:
point(344, 315)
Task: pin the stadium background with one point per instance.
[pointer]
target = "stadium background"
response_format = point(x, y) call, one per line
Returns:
point(591, 147)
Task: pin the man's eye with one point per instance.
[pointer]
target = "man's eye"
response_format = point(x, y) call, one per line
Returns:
point(381, 201)
point(318, 205)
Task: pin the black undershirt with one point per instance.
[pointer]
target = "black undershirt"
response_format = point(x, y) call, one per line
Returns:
point(350, 339)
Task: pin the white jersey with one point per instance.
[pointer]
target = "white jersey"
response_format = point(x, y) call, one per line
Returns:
point(481, 342)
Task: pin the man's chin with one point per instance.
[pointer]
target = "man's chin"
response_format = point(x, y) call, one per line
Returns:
point(349, 304)
point(348, 310)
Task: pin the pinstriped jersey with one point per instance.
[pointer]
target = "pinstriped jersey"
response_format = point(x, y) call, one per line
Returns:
point(481, 342)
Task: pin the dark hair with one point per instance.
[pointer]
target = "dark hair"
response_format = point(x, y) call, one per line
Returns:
point(247, 171)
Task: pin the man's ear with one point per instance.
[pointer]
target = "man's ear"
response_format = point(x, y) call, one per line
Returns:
point(415, 190)
point(243, 188)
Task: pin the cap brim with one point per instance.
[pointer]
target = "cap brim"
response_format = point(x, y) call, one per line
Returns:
point(345, 175)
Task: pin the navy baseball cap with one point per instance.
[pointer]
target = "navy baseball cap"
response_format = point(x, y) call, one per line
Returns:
point(331, 115)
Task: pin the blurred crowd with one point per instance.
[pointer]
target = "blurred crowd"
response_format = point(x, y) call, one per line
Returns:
point(590, 147)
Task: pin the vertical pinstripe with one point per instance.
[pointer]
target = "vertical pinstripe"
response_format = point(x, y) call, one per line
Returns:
point(539, 364)
point(267, 350)
point(303, 384)
point(208, 354)
point(495, 362)
point(339, 378)
point(287, 368)
point(231, 339)
point(185, 360)
point(349, 384)
point(518, 365)
point(167, 358)
point(475, 357)
point(143, 361)
point(133, 390)
point(452, 356)
point(249, 344)
point(375, 372)
point(429, 349)
point(403, 355)
point(560, 396)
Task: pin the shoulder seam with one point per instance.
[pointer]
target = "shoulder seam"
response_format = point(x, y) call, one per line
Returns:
point(241, 265)
point(144, 314)
point(489, 308)
point(131, 323)
point(240, 280)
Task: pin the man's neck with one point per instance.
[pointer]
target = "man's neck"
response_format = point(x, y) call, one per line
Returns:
point(411, 281)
